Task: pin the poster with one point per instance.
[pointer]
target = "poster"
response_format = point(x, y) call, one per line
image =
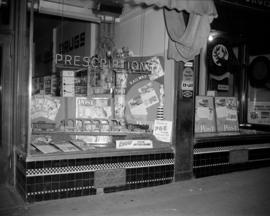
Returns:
point(259, 112)
point(163, 130)
point(204, 115)
point(93, 108)
point(226, 114)
point(144, 93)
point(45, 107)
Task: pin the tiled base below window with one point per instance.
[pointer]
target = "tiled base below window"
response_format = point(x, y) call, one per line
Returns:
point(57, 179)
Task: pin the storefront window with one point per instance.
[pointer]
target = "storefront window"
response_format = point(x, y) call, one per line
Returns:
point(259, 90)
point(88, 94)
point(5, 12)
point(217, 107)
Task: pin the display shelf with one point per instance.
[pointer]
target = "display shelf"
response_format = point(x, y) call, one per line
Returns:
point(98, 153)
point(242, 137)
point(47, 177)
point(91, 133)
point(217, 153)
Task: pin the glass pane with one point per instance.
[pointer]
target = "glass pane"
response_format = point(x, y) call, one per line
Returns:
point(1, 64)
point(259, 90)
point(5, 12)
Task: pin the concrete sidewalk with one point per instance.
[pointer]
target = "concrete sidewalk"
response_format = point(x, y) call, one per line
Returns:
point(240, 193)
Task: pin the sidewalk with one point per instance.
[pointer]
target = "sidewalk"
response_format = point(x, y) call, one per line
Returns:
point(239, 193)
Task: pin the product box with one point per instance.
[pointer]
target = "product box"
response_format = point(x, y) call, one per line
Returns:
point(204, 114)
point(226, 114)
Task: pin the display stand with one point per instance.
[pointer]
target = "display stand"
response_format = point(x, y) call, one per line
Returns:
point(56, 176)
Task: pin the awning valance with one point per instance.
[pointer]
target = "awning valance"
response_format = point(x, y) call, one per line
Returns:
point(185, 40)
point(202, 7)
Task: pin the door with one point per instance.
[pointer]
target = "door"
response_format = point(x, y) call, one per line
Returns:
point(6, 95)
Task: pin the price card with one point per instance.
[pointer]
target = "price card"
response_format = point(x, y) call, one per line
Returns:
point(163, 130)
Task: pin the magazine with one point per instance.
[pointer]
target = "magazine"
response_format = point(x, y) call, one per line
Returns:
point(65, 146)
point(82, 145)
point(45, 147)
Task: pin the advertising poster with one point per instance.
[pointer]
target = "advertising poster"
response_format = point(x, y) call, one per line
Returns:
point(204, 115)
point(93, 108)
point(163, 130)
point(44, 108)
point(259, 90)
point(226, 114)
point(144, 90)
point(259, 112)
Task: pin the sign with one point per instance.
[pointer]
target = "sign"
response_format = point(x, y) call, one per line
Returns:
point(163, 130)
point(259, 112)
point(71, 41)
point(226, 114)
point(187, 85)
point(204, 115)
point(134, 144)
point(93, 108)
point(143, 65)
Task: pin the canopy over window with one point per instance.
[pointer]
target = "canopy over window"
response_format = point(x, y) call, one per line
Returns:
point(202, 7)
point(185, 40)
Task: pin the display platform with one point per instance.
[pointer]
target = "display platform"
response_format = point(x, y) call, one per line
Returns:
point(217, 153)
point(47, 177)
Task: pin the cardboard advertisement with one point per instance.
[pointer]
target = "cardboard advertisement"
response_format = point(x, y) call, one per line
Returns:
point(163, 130)
point(93, 108)
point(259, 112)
point(44, 108)
point(226, 114)
point(134, 144)
point(144, 91)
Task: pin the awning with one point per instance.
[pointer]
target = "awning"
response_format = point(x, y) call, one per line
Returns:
point(185, 40)
point(202, 7)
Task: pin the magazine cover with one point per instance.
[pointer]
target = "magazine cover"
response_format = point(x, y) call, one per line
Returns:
point(226, 114)
point(93, 108)
point(204, 114)
point(82, 145)
point(65, 146)
point(45, 147)
point(44, 108)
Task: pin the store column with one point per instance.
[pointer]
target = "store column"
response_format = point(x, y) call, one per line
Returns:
point(184, 76)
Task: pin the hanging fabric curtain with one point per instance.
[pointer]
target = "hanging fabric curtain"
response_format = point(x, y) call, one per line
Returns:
point(185, 40)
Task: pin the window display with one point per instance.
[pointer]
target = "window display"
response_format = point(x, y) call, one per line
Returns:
point(84, 102)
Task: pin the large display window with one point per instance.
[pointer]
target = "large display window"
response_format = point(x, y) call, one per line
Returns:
point(88, 95)
point(258, 91)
